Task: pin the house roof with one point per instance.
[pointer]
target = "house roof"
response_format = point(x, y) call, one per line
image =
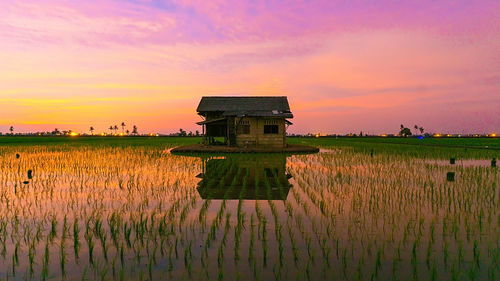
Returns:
point(246, 106)
point(211, 121)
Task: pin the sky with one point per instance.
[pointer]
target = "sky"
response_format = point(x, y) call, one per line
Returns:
point(346, 66)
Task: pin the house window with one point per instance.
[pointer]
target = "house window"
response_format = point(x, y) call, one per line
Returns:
point(243, 129)
point(270, 129)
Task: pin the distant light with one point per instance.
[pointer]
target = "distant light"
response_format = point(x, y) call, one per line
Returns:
point(437, 135)
point(448, 135)
point(317, 135)
point(383, 135)
point(493, 135)
point(150, 134)
point(421, 137)
point(73, 134)
point(121, 134)
point(103, 134)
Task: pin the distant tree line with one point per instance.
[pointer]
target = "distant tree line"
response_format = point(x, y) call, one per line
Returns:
point(113, 130)
point(183, 133)
point(405, 132)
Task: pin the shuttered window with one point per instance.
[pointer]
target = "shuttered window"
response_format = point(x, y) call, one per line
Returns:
point(270, 129)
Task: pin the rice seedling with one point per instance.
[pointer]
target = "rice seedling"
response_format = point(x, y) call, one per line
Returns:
point(346, 213)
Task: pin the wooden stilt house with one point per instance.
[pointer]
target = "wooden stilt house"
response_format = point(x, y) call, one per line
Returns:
point(245, 121)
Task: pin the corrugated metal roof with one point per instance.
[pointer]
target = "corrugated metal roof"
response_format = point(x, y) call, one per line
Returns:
point(276, 106)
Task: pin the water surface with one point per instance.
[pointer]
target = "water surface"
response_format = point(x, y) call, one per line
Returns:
point(142, 213)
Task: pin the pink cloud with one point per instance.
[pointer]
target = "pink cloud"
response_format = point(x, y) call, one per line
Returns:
point(141, 22)
point(344, 64)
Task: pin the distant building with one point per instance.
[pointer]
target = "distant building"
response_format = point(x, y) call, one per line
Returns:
point(245, 121)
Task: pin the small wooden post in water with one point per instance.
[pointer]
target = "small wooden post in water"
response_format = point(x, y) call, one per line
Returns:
point(452, 160)
point(493, 162)
point(450, 176)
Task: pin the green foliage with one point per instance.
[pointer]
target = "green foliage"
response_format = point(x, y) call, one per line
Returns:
point(99, 141)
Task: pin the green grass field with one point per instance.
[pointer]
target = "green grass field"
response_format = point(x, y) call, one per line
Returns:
point(105, 141)
point(429, 147)
point(443, 148)
point(452, 142)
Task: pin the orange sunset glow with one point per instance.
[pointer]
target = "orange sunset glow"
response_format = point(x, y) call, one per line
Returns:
point(344, 67)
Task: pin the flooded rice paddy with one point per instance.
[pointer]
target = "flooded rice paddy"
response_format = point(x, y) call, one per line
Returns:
point(141, 213)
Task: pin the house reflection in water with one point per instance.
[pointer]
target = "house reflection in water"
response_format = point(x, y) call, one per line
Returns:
point(245, 176)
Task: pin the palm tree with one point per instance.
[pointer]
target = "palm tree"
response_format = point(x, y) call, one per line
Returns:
point(134, 130)
point(115, 128)
point(127, 131)
point(11, 129)
point(421, 130)
point(111, 129)
point(123, 127)
point(416, 129)
point(91, 130)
